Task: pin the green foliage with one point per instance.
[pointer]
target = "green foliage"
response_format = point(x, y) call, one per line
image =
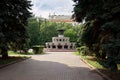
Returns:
point(101, 31)
point(78, 49)
point(13, 18)
point(42, 31)
point(72, 34)
point(38, 49)
point(33, 30)
point(47, 31)
point(92, 61)
point(13, 56)
point(83, 50)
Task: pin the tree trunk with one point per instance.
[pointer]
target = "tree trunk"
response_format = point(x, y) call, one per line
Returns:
point(97, 54)
point(103, 56)
point(113, 66)
point(4, 53)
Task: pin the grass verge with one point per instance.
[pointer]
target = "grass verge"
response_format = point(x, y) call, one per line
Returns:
point(97, 64)
point(13, 56)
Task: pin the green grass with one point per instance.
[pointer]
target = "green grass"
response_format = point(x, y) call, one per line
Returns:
point(11, 53)
point(10, 59)
point(13, 56)
point(91, 60)
point(98, 64)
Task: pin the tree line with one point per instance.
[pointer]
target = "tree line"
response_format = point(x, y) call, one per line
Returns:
point(14, 16)
point(41, 31)
point(101, 30)
point(18, 31)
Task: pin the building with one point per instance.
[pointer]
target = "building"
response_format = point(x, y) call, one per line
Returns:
point(60, 42)
point(62, 18)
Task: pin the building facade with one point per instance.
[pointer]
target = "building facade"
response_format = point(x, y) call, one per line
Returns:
point(62, 18)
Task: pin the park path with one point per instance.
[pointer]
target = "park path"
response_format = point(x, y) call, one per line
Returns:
point(50, 66)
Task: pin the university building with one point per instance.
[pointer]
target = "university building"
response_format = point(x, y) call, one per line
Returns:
point(62, 18)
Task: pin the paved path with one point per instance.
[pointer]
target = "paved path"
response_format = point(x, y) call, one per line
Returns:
point(51, 66)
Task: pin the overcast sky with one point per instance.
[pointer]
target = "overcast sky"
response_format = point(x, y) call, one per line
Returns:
point(59, 7)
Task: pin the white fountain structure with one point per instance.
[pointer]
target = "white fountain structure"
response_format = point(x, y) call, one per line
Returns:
point(61, 42)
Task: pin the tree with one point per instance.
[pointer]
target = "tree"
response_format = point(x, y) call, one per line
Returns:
point(13, 19)
point(33, 30)
point(102, 27)
point(43, 31)
point(47, 31)
point(72, 34)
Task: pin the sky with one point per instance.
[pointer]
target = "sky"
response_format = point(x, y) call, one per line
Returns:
point(42, 8)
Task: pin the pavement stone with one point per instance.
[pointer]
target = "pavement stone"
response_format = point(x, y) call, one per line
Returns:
point(50, 66)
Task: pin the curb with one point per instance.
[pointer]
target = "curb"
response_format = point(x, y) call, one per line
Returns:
point(92, 67)
point(19, 60)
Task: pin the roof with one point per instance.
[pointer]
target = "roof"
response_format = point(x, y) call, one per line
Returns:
point(61, 20)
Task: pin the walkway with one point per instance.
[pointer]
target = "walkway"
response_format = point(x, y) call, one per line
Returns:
point(50, 66)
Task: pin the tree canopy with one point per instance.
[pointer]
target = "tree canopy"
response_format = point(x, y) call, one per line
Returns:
point(13, 19)
point(101, 30)
point(42, 31)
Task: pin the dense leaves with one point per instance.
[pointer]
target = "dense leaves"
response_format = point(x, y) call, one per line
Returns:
point(101, 31)
point(42, 31)
point(72, 34)
point(13, 18)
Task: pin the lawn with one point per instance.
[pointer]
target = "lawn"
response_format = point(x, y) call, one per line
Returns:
point(13, 56)
point(97, 64)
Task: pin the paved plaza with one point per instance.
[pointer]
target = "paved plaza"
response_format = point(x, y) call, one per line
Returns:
point(50, 66)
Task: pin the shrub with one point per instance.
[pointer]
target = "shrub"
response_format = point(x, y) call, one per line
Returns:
point(38, 49)
point(78, 49)
point(83, 50)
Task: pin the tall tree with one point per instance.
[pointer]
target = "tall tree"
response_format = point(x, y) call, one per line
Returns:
point(102, 27)
point(13, 19)
point(33, 30)
point(72, 34)
point(47, 31)
point(43, 30)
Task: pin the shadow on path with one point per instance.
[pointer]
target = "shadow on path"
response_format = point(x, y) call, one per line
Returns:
point(46, 70)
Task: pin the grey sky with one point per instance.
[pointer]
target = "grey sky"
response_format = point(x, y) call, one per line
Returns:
point(44, 7)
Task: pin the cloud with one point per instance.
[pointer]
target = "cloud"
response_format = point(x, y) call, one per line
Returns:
point(44, 7)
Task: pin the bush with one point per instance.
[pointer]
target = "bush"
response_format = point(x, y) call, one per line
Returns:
point(78, 49)
point(83, 50)
point(38, 49)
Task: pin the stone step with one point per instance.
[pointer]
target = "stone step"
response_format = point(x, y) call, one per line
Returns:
point(59, 50)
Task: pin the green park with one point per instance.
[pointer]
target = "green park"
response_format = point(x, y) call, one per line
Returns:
point(32, 48)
